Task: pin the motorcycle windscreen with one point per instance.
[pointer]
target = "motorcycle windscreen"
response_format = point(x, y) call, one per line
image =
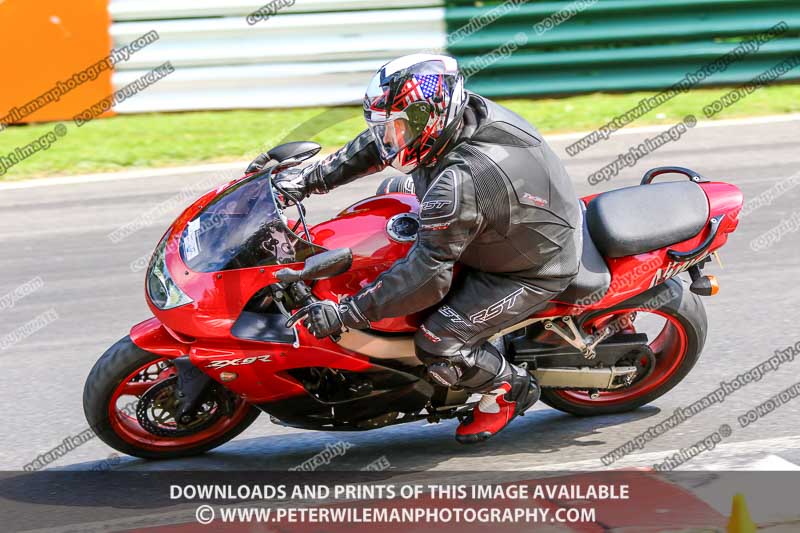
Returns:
point(242, 228)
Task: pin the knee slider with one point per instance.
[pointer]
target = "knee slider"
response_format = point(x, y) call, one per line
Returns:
point(441, 369)
point(443, 358)
point(444, 374)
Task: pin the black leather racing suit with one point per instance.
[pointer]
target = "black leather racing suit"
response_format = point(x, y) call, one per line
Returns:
point(500, 202)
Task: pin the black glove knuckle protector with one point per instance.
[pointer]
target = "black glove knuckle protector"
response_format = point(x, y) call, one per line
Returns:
point(322, 319)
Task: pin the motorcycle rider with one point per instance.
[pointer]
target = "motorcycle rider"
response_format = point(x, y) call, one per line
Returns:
point(493, 197)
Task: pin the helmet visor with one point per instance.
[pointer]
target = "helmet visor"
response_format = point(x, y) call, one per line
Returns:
point(399, 130)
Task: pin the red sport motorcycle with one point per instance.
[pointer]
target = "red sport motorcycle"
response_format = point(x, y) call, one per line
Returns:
point(228, 272)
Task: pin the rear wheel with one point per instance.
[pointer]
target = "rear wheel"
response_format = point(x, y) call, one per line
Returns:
point(129, 404)
point(674, 320)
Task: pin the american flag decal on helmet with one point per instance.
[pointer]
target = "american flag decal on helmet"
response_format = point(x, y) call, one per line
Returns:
point(429, 84)
point(424, 88)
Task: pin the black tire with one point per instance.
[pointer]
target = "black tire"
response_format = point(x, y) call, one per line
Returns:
point(687, 308)
point(118, 362)
point(404, 184)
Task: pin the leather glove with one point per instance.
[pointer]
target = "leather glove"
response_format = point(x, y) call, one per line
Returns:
point(326, 318)
point(293, 182)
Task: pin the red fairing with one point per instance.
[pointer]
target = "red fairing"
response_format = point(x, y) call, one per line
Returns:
point(264, 380)
point(217, 297)
point(362, 228)
point(152, 336)
point(726, 199)
point(202, 328)
point(635, 274)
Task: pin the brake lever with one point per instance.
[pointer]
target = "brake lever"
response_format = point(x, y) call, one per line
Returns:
point(300, 293)
point(285, 312)
point(296, 317)
point(307, 298)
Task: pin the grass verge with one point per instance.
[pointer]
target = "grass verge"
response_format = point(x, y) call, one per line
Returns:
point(171, 139)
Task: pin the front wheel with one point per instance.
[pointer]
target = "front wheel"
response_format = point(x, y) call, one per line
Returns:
point(128, 403)
point(675, 322)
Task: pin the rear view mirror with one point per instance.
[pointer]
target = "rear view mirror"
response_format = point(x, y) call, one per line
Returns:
point(319, 266)
point(294, 151)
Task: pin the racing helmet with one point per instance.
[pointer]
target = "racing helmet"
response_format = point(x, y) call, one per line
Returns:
point(413, 106)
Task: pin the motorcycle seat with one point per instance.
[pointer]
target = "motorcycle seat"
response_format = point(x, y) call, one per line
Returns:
point(594, 278)
point(642, 218)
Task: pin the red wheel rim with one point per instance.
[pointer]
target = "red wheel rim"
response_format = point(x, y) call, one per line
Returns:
point(125, 424)
point(669, 347)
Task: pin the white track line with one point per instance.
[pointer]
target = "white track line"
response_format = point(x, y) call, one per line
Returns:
point(769, 119)
point(704, 461)
point(125, 175)
point(175, 171)
point(774, 463)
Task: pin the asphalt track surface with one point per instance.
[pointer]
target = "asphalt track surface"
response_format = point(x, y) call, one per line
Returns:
point(60, 234)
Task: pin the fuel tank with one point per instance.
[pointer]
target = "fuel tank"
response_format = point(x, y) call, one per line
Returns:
point(379, 231)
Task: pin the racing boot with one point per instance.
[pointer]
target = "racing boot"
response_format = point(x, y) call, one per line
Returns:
point(511, 394)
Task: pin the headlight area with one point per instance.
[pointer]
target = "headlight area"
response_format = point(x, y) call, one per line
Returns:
point(162, 291)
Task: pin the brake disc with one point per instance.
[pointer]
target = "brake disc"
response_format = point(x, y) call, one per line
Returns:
point(158, 407)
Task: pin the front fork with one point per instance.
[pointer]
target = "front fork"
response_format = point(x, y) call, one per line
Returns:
point(190, 389)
